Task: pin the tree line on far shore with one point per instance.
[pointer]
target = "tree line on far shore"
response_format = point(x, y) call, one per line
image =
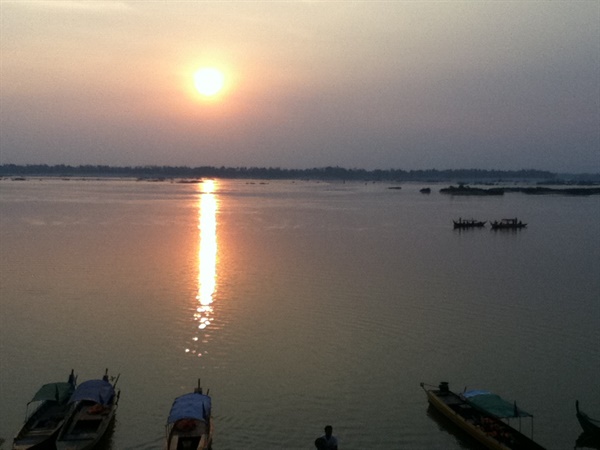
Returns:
point(274, 173)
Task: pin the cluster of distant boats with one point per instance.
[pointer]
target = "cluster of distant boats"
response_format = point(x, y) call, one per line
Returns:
point(68, 416)
point(503, 224)
point(486, 417)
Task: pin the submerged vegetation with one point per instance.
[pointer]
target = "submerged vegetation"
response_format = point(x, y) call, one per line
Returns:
point(537, 190)
point(273, 173)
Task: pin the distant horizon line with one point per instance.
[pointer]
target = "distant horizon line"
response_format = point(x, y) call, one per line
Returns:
point(322, 173)
point(3, 166)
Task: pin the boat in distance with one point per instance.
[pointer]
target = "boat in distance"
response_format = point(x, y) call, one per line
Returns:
point(468, 223)
point(189, 425)
point(93, 407)
point(590, 426)
point(480, 414)
point(51, 405)
point(507, 224)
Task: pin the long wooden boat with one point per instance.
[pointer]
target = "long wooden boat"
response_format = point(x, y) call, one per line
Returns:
point(482, 417)
point(93, 407)
point(189, 426)
point(507, 224)
point(49, 407)
point(590, 426)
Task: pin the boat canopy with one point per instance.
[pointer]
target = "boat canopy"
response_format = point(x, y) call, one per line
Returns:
point(494, 404)
point(190, 406)
point(98, 391)
point(58, 392)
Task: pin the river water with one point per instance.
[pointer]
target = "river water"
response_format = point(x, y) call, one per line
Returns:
point(298, 304)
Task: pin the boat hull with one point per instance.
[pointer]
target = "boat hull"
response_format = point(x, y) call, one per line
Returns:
point(489, 431)
point(462, 423)
point(195, 435)
point(36, 439)
point(93, 407)
point(42, 427)
point(33, 442)
point(465, 224)
point(84, 429)
point(40, 431)
point(507, 224)
point(189, 425)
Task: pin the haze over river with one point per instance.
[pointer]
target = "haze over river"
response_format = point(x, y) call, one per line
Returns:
point(299, 304)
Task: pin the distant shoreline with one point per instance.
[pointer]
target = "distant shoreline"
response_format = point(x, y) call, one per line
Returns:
point(463, 176)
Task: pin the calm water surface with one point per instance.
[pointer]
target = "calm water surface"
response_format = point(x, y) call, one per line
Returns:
point(298, 304)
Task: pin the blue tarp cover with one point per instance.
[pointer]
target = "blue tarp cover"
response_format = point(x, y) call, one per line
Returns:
point(190, 406)
point(494, 404)
point(58, 392)
point(98, 391)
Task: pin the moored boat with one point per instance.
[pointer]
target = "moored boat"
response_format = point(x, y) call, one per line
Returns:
point(507, 224)
point(93, 407)
point(590, 426)
point(50, 405)
point(468, 223)
point(480, 414)
point(189, 426)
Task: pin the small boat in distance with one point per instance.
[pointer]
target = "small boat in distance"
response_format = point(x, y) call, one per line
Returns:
point(425, 190)
point(43, 424)
point(469, 223)
point(481, 414)
point(507, 224)
point(189, 426)
point(93, 407)
point(590, 426)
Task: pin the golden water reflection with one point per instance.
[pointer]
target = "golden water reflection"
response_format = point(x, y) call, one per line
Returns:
point(207, 261)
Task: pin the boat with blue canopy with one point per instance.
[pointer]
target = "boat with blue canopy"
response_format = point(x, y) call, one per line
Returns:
point(49, 407)
point(93, 407)
point(189, 425)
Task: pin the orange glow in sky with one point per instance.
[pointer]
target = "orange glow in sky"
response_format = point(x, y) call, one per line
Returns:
point(373, 85)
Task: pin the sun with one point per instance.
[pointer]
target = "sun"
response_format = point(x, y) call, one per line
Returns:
point(209, 81)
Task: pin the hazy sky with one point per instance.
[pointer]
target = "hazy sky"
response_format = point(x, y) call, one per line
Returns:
point(357, 84)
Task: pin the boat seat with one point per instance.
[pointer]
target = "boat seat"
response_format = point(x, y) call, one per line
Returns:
point(44, 424)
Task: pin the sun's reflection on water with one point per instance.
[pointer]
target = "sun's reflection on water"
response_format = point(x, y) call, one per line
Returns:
point(207, 259)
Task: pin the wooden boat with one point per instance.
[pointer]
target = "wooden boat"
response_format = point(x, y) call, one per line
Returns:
point(507, 224)
point(50, 405)
point(425, 191)
point(468, 223)
point(93, 407)
point(189, 426)
point(481, 414)
point(590, 426)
